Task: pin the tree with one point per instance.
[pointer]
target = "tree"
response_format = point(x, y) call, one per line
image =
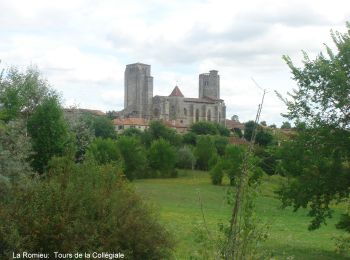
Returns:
point(21, 93)
point(85, 206)
point(235, 118)
point(263, 136)
point(204, 152)
point(263, 123)
point(316, 159)
point(157, 130)
point(15, 152)
point(49, 133)
point(104, 150)
point(83, 133)
point(103, 127)
point(162, 158)
point(204, 128)
point(185, 158)
point(134, 157)
point(286, 125)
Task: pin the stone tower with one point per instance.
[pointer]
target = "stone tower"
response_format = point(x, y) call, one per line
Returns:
point(209, 85)
point(138, 90)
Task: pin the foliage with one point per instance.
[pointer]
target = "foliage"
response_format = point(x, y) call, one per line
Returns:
point(104, 151)
point(220, 143)
point(216, 174)
point(204, 151)
point(222, 130)
point(103, 127)
point(286, 125)
point(185, 158)
point(232, 162)
point(81, 208)
point(134, 157)
point(162, 159)
point(157, 130)
point(21, 93)
point(189, 138)
point(263, 136)
point(49, 133)
point(132, 132)
point(81, 126)
point(204, 128)
point(316, 173)
point(316, 160)
point(269, 158)
point(209, 128)
point(235, 118)
point(15, 150)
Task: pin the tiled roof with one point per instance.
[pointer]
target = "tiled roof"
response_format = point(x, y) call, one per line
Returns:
point(131, 121)
point(231, 124)
point(176, 92)
point(174, 123)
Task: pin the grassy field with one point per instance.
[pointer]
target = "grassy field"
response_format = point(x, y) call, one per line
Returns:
point(180, 210)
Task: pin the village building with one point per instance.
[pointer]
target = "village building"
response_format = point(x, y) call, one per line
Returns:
point(178, 111)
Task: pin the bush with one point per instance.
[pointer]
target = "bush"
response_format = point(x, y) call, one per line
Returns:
point(162, 159)
point(204, 151)
point(81, 208)
point(220, 143)
point(104, 151)
point(216, 174)
point(134, 157)
point(185, 158)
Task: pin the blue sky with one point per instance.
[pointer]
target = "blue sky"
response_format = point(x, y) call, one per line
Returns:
point(82, 46)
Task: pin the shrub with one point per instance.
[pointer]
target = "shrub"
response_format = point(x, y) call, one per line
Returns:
point(185, 158)
point(104, 151)
point(204, 151)
point(134, 157)
point(216, 174)
point(81, 207)
point(162, 159)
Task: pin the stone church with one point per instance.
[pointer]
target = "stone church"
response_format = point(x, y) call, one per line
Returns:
point(139, 101)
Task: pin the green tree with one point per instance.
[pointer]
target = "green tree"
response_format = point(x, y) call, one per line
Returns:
point(134, 157)
point(204, 128)
point(103, 127)
point(104, 150)
point(205, 151)
point(162, 158)
point(286, 125)
point(157, 130)
point(232, 161)
point(185, 158)
point(21, 93)
point(82, 207)
point(83, 133)
point(316, 160)
point(49, 133)
point(15, 152)
point(263, 136)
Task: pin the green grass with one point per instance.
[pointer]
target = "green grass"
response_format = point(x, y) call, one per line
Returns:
point(180, 210)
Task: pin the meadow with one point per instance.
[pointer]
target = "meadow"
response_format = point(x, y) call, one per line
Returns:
point(182, 200)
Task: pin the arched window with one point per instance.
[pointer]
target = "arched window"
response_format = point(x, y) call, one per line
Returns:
point(185, 111)
point(172, 113)
point(209, 115)
point(156, 112)
point(197, 115)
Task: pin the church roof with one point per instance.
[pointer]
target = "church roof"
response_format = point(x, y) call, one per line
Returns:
point(176, 92)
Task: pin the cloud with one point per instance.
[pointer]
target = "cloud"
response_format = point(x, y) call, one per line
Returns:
point(82, 46)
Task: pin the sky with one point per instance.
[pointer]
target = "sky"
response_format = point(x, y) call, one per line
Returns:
point(82, 46)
